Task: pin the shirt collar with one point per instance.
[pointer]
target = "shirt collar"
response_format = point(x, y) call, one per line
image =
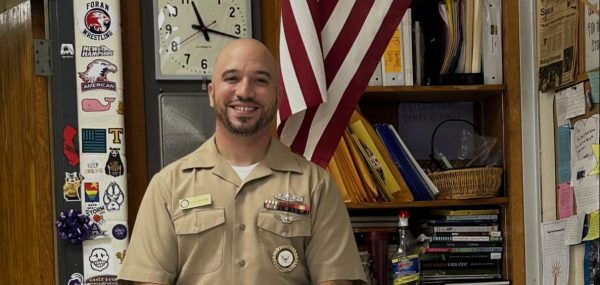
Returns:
point(279, 157)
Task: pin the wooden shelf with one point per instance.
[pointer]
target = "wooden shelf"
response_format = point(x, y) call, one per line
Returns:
point(427, 204)
point(432, 93)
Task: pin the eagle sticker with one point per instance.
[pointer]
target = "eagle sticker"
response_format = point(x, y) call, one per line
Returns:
point(95, 76)
point(97, 21)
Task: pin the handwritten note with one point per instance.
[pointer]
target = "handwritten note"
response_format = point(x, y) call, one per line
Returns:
point(555, 253)
point(565, 200)
point(585, 133)
point(570, 102)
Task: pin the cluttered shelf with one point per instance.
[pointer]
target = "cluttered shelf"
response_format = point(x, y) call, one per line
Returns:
point(433, 93)
point(428, 204)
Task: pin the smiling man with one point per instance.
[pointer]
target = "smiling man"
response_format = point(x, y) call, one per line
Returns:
point(242, 208)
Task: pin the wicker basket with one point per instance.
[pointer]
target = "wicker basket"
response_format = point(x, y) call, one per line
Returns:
point(468, 183)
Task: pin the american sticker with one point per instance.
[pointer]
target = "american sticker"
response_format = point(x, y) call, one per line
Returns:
point(95, 75)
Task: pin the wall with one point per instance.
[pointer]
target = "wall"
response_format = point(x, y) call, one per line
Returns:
point(26, 215)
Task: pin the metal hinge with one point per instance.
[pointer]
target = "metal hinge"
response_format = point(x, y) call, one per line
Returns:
point(41, 56)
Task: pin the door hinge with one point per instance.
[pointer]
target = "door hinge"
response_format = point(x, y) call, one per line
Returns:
point(41, 56)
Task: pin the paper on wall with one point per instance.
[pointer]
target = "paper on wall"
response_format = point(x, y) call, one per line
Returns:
point(574, 229)
point(555, 253)
point(570, 102)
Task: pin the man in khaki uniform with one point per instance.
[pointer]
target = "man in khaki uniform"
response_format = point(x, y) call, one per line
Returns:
point(242, 208)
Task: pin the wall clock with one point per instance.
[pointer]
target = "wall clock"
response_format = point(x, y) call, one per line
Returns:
point(189, 34)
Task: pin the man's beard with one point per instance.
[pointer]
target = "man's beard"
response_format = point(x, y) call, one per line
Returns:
point(246, 130)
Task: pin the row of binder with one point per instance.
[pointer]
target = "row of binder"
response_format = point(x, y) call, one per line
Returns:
point(469, 41)
point(372, 164)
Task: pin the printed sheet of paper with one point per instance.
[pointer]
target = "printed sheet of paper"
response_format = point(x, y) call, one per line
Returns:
point(570, 102)
point(556, 42)
point(574, 229)
point(565, 200)
point(555, 253)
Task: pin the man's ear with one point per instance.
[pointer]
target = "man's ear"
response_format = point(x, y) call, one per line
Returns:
point(211, 94)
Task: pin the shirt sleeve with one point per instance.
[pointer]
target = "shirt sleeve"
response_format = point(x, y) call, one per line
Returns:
point(331, 252)
point(152, 252)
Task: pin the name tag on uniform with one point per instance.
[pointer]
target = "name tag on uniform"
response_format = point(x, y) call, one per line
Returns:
point(193, 202)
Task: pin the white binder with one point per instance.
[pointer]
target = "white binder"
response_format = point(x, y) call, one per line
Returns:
point(491, 45)
point(376, 79)
point(407, 51)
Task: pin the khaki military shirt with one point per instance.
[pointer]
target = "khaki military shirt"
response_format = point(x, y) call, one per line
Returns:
point(235, 239)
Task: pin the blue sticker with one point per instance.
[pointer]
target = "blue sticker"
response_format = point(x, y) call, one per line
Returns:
point(119, 231)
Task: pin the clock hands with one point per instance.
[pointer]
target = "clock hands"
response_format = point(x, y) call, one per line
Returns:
point(205, 28)
point(202, 27)
point(195, 33)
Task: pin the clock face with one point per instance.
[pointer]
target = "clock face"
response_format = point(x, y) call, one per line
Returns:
point(191, 33)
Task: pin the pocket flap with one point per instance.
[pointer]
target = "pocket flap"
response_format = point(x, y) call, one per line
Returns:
point(268, 221)
point(198, 220)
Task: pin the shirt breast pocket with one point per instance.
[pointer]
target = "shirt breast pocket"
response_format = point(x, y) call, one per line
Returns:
point(201, 237)
point(274, 233)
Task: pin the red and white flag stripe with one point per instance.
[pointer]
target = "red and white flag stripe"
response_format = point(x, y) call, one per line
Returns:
point(328, 51)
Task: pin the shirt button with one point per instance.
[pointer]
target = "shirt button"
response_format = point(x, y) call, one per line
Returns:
point(242, 263)
point(284, 231)
point(242, 227)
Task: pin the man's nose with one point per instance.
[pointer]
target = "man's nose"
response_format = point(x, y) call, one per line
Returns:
point(244, 88)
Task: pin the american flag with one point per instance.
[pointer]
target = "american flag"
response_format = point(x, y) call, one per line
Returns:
point(328, 50)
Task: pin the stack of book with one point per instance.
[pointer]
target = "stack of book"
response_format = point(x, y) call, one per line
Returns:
point(463, 245)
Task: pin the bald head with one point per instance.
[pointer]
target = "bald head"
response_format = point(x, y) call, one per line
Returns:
point(245, 50)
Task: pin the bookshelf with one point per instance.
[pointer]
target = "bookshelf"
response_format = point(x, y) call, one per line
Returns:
point(498, 109)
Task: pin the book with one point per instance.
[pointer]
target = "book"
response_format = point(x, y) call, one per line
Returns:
point(399, 189)
point(447, 212)
point(469, 217)
point(403, 164)
point(464, 249)
point(443, 256)
point(495, 234)
point(465, 229)
point(464, 244)
point(465, 238)
point(459, 264)
point(407, 43)
point(430, 186)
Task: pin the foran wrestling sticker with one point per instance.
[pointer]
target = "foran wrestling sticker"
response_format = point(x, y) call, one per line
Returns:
point(97, 21)
point(72, 186)
point(95, 76)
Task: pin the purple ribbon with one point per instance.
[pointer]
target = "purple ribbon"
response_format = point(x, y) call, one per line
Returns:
point(73, 226)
